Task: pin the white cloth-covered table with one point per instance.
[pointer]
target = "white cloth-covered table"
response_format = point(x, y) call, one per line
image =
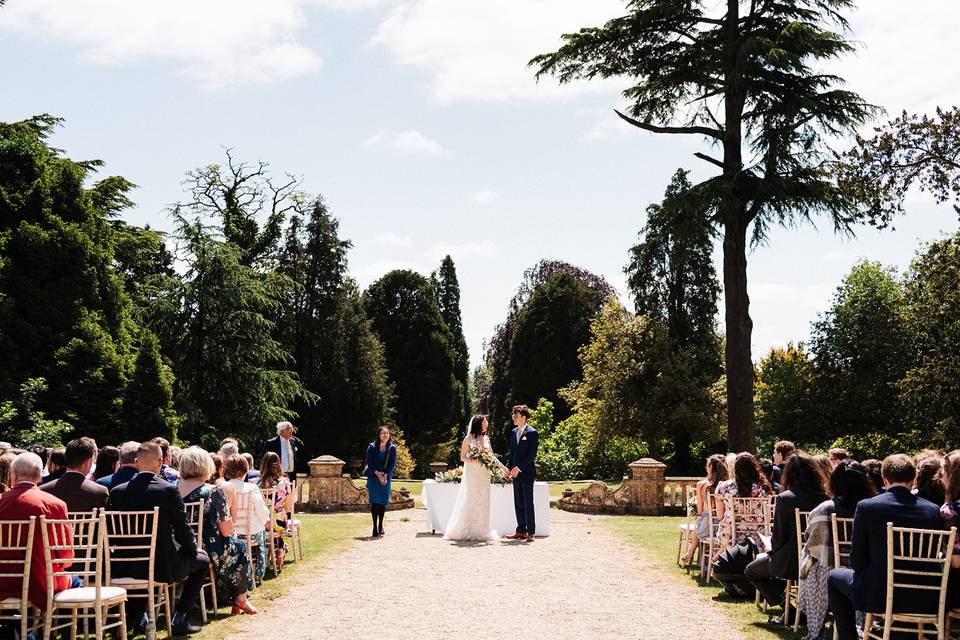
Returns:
point(440, 497)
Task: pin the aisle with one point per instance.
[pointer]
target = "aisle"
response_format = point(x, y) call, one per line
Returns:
point(580, 583)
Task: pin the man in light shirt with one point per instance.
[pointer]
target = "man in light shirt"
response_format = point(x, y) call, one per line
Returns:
point(285, 445)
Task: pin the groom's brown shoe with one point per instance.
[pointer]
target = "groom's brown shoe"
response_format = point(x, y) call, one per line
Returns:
point(516, 536)
point(528, 537)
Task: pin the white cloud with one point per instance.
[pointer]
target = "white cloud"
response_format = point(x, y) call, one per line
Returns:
point(478, 249)
point(367, 274)
point(390, 239)
point(216, 42)
point(485, 196)
point(479, 49)
point(608, 128)
point(406, 142)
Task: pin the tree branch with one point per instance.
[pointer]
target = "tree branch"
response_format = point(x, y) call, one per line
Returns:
point(712, 161)
point(704, 131)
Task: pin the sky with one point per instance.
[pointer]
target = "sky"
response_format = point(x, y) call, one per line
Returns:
point(422, 127)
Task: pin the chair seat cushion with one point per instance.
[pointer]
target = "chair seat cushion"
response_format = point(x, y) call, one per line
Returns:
point(132, 583)
point(88, 594)
point(688, 527)
point(294, 523)
point(10, 601)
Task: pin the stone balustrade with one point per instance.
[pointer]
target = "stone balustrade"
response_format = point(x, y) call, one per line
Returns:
point(645, 491)
point(332, 490)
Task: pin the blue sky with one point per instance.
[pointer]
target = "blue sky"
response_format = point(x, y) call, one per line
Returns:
point(419, 123)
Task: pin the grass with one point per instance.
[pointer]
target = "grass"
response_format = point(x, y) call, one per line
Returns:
point(657, 538)
point(323, 536)
point(556, 488)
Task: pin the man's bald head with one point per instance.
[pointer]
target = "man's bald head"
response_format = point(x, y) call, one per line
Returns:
point(26, 467)
point(149, 457)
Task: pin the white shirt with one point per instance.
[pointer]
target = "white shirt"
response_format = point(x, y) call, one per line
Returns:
point(286, 454)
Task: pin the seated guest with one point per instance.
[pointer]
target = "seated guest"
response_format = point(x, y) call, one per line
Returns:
point(127, 468)
point(929, 482)
point(229, 448)
point(804, 487)
point(167, 472)
point(950, 512)
point(177, 557)
point(56, 464)
point(849, 484)
point(226, 551)
point(217, 477)
point(716, 473)
point(6, 459)
point(873, 466)
point(766, 466)
point(251, 526)
point(253, 474)
point(781, 451)
point(747, 482)
point(837, 455)
point(23, 500)
point(862, 587)
point(108, 461)
point(273, 477)
point(73, 487)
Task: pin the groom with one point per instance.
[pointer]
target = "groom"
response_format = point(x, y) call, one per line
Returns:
point(523, 470)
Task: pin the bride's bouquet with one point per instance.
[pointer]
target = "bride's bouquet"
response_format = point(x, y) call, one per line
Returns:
point(481, 454)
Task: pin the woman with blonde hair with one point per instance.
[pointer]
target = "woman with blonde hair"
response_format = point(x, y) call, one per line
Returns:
point(226, 551)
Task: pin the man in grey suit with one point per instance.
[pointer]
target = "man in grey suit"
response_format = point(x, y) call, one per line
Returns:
point(73, 487)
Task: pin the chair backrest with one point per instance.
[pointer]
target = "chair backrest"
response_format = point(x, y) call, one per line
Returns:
point(131, 541)
point(78, 538)
point(800, 521)
point(842, 532)
point(918, 560)
point(270, 499)
point(690, 500)
point(16, 552)
point(748, 516)
point(244, 517)
point(713, 520)
point(195, 513)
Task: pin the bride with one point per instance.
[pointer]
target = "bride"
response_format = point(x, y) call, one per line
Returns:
point(471, 513)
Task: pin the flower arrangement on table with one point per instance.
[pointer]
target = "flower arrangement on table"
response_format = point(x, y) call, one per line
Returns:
point(481, 454)
point(453, 475)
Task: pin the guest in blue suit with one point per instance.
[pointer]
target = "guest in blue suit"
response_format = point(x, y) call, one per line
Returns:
point(381, 461)
point(863, 586)
point(127, 469)
point(522, 463)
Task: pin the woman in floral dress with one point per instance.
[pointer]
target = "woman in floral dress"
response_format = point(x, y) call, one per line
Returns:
point(226, 552)
point(273, 477)
point(748, 482)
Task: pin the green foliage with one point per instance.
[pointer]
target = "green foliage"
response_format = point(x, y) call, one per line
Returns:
point(405, 462)
point(671, 274)
point(635, 387)
point(446, 287)
point(786, 408)
point(550, 329)
point(419, 358)
point(748, 79)
point(323, 324)
point(930, 389)
point(232, 375)
point(909, 151)
point(148, 398)
point(65, 314)
point(23, 425)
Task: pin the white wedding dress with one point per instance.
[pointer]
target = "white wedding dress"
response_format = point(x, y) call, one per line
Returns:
point(470, 519)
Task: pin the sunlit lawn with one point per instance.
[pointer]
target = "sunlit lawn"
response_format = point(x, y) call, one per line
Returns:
point(657, 539)
point(323, 535)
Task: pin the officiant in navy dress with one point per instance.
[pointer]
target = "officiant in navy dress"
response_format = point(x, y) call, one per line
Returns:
point(522, 463)
point(381, 461)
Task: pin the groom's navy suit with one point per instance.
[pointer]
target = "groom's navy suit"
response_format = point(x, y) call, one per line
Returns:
point(523, 455)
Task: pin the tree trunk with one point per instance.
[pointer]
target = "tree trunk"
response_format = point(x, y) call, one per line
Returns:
point(739, 364)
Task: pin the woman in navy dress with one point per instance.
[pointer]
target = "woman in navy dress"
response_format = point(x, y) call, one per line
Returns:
point(381, 460)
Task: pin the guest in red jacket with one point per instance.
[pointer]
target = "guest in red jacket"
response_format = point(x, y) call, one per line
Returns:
point(23, 500)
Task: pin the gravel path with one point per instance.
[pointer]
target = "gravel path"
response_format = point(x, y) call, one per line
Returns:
point(580, 583)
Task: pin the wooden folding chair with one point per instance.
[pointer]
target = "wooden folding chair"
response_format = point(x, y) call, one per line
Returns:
point(195, 516)
point(82, 537)
point(917, 560)
point(294, 526)
point(244, 518)
point(16, 553)
point(792, 591)
point(842, 531)
point(687, 527)
point(712, 542)
point(750, 517)
point(132, 543)
point(270, 535)
point(951, 616)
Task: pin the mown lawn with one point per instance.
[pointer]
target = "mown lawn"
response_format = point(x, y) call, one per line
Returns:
point(324, 536)
point(656, 538)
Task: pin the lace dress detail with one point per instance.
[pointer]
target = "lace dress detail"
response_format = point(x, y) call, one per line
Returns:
point(470, 519)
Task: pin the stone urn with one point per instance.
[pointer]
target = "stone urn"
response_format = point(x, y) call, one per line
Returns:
point(438, 467)
point(647, 484)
